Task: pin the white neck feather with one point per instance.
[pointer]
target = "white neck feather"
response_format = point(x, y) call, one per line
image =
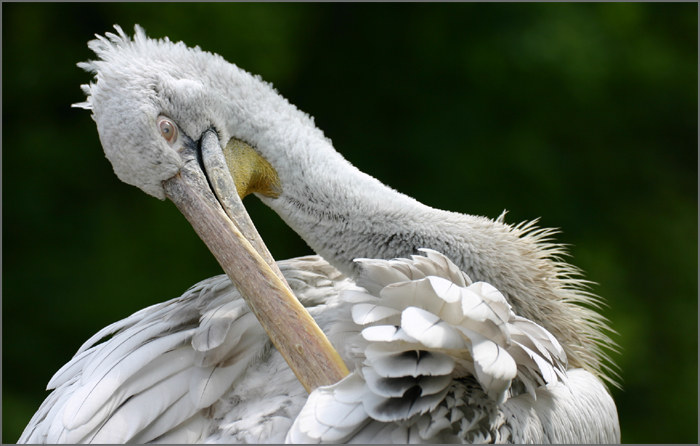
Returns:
point(344, 214)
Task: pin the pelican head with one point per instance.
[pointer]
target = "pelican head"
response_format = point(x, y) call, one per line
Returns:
point(154, 99)
point(166, 114)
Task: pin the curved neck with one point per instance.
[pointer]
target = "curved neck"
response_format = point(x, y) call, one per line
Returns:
point(344, 214)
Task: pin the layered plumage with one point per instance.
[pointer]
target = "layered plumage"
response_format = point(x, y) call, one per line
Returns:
point(446, 360)
point(455, 328)
point(163, 369)
point(437, 359)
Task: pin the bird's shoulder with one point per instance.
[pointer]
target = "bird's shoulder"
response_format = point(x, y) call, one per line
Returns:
point(158, 373)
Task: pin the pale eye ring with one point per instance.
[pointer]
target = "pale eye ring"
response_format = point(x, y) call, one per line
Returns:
point(167, 129)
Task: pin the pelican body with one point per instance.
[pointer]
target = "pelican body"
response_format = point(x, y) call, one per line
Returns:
point(409, 325)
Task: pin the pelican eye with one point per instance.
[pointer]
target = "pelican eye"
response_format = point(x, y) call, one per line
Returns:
point(168, 129)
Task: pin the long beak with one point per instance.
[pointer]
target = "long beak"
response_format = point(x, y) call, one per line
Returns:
point(231, 236)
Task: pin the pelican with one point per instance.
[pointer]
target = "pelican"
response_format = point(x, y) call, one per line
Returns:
point(409, 325)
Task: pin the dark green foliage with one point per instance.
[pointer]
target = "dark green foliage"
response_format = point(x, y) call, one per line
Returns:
point(584, 114)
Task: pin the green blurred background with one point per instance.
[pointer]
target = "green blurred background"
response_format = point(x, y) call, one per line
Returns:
point(583, 114)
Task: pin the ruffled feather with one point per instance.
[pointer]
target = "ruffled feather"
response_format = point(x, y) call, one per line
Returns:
point(427, 328)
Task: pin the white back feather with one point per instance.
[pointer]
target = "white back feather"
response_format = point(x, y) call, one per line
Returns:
point(456, 348)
